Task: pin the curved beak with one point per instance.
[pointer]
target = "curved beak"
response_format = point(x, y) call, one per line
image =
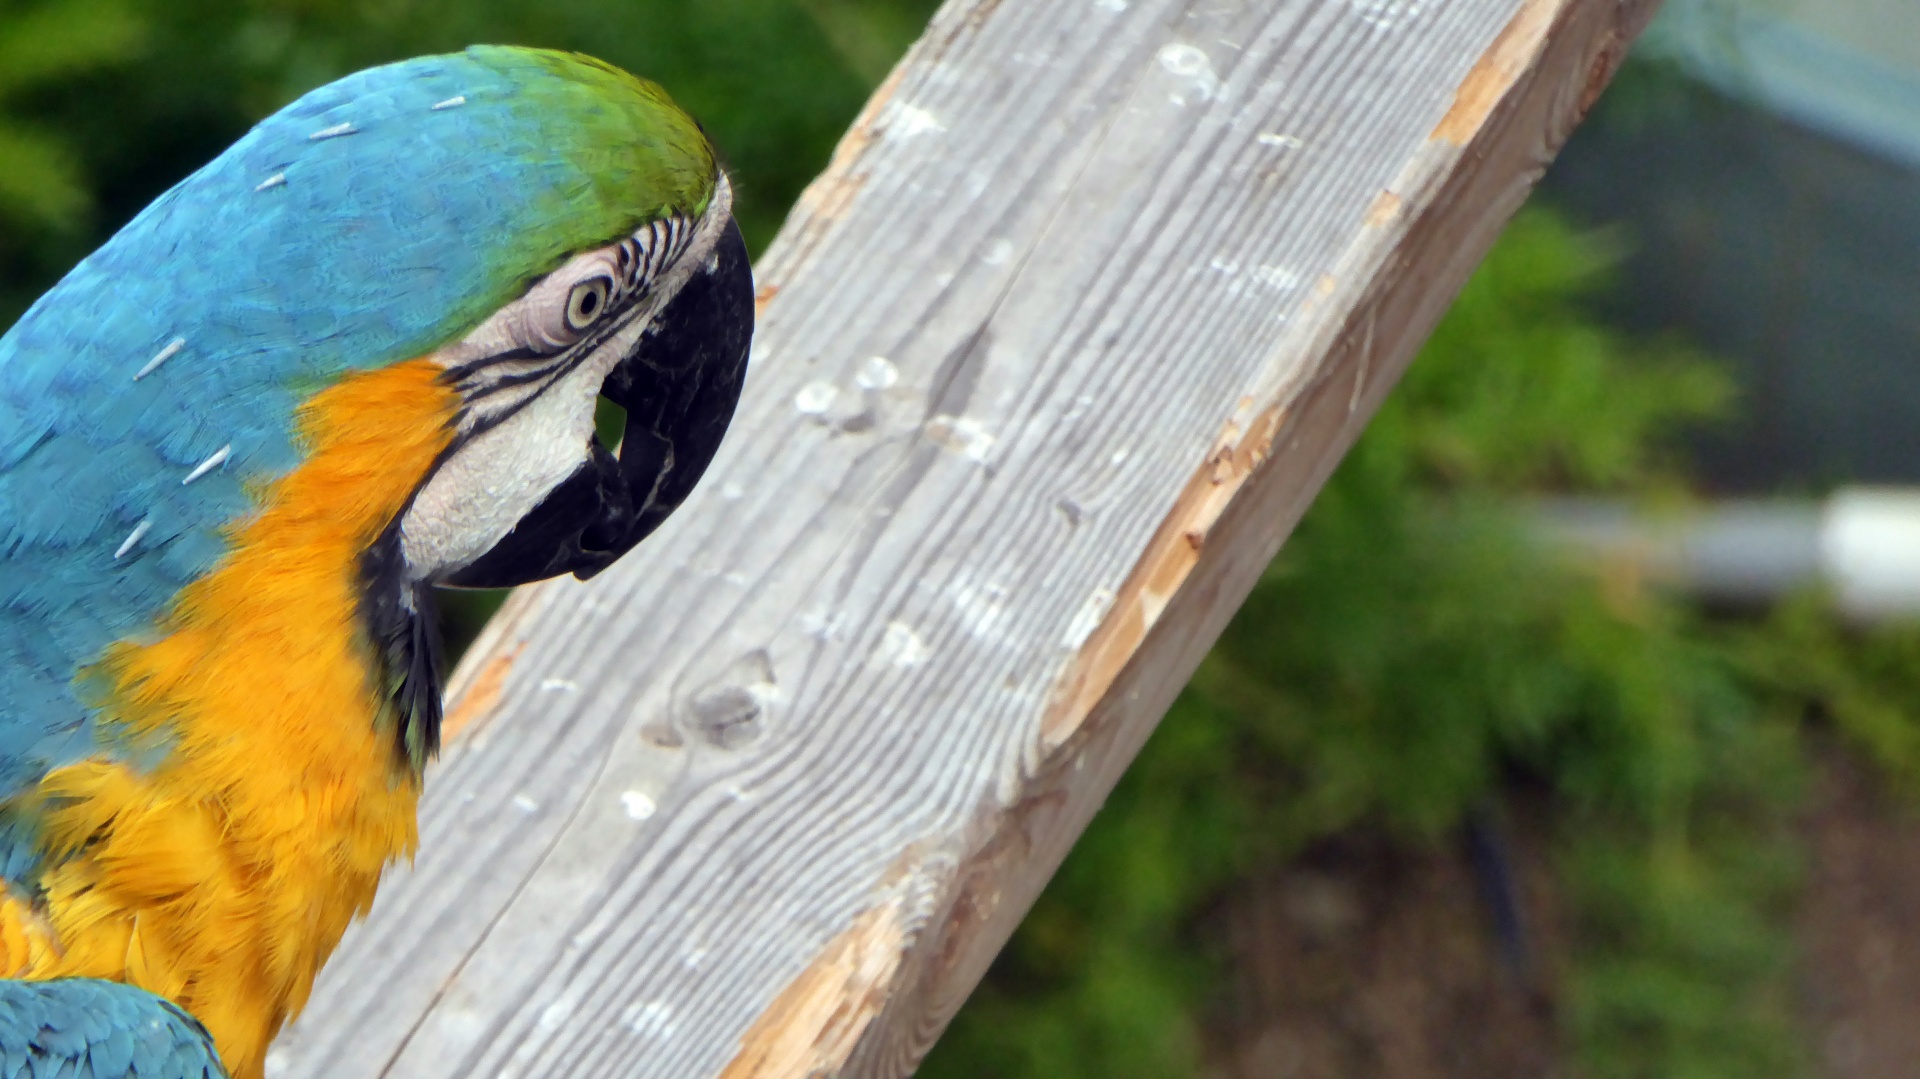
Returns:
point(679, 386)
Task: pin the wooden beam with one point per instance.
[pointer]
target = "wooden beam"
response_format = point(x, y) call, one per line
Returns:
point(1090, 301)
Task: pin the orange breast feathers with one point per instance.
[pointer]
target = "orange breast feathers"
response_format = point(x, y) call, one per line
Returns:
point(224, 876)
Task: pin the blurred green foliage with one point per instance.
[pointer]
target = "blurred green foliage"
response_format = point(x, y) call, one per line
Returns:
point(1860, 686)
point(1408, 658)
point(42, 185)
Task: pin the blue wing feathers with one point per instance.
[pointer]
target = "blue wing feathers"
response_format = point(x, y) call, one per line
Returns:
point(91, 1029)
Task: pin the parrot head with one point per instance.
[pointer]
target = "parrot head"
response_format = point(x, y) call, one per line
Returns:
point(659, 324)
point(357, 355)
point(618, 274)
point(657, 320)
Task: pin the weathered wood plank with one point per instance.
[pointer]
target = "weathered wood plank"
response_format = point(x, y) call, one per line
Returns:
point(1090, 301)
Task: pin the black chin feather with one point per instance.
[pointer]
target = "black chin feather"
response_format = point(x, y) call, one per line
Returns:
point(404, 635)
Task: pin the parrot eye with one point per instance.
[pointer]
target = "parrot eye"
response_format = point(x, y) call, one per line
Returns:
point(586, 302)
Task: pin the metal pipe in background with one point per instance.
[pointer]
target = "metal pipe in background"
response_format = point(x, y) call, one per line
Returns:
point(1862, 543)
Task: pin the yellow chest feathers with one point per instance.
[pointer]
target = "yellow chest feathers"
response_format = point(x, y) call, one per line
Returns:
point(224, 876)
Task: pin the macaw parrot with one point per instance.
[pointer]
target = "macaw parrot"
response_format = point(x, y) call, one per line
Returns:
point(356, 356)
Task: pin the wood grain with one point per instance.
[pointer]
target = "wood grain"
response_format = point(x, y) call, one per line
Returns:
point(1091, 299)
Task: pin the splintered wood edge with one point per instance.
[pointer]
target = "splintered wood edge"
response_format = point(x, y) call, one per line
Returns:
point(813, 1025)
point(885, 977)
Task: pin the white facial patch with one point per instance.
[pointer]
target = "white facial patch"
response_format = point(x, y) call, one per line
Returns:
point(499, 476)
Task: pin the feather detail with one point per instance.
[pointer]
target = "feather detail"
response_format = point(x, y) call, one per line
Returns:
point(92, 1029)
point(223, 875)
point(400, 619)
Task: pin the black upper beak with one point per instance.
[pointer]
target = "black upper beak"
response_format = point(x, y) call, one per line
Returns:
point(679, 386)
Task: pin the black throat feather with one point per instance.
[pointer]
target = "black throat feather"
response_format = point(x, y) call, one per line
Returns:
point(403, 634)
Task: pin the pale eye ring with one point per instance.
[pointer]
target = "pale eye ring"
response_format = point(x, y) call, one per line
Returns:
point(587, 302)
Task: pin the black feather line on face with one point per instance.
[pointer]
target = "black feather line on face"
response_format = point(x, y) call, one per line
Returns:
point(459, 373)
point(403, 634)
point(510, 382)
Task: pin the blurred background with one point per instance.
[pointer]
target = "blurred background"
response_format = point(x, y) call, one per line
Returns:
point(1576, 732)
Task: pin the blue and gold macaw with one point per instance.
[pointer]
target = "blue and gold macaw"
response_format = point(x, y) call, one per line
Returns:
point(355, 356)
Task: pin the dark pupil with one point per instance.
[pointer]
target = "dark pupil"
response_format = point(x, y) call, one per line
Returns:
point(588, 302)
